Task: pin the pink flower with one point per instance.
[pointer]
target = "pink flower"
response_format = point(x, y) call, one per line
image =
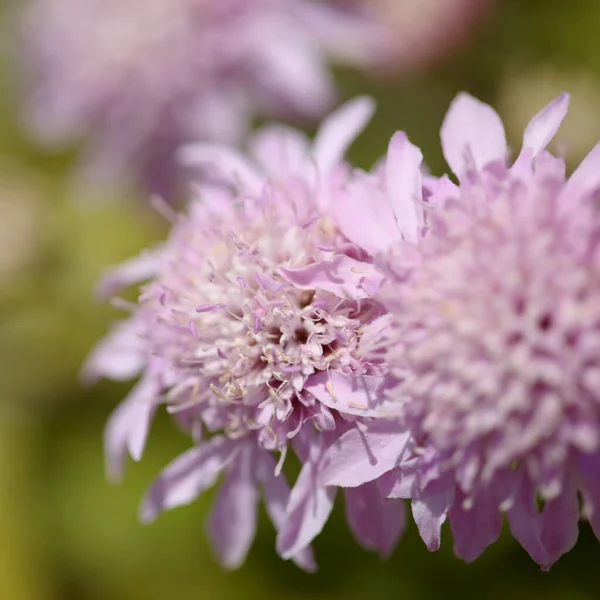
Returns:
point(494, 338)
point(249, 330)
point(140, 77)
point(424, 32)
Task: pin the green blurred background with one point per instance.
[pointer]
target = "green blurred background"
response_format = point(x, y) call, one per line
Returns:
point(65, 533)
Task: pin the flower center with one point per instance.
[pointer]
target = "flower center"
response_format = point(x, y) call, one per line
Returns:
point(253, 338)
point(490, 320)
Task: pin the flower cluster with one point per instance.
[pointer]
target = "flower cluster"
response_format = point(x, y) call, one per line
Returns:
point(138, 78)
point(406, 337)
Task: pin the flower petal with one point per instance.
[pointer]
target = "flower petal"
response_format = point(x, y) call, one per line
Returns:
point(187, 477)
point(403, 181)
point(291, 69)
point(337, 29)
point(342, 276)
point(474, 529)
point(339, 130)
point(307, 512)
point(349, 393)
point(526, 522)
point(121, 355)
point(276, 495)
point(560, 522)
point(281, 150)
point(550, 166)
point(583, 183)
point(402, 481)
point(471, 124)
point(373, 335)
point(543, 127)
point(233, 519)
point(376, 522)
point(127, 428)
point(364, 215)
point(430, 512)
point(363, 453)
point(440, 190)
point(128, 273)
point(589, 471)
point(227, 164)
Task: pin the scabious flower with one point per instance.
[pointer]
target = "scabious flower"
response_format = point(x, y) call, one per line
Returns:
point(141, 77)
point(249, 330)
point(493, 339)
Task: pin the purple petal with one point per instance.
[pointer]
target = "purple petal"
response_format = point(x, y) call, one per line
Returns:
point(364, 215)
point(583, 183)
point(474, 529)
point(127, 428)
point(342, 276)
point(589, 471)
point(339, 130)
point(429, 512)
point(187, 477)
point(307, 512)
point(401, 482)
point(233, 519)
point(276, 495)
point(560, 522)
point(128, 273)
point(471, 124)
point(550, 166)
point(121, 355)
point(349, 393)
point(403, 181)
point(337, 29)
point(281, 150)
point(363, 453)
point(543, 127)
point(373, 334)
point(376, 522)
point(440, 190)
point(526, 522)
point(432, 474)
point(228, 164)
point(287, 57)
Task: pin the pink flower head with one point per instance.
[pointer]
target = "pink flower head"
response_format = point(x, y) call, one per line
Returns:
point(142, 76)
point(249, 331)
point(494, 341)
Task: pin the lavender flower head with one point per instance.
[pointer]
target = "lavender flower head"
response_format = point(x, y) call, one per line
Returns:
point(249, 330)
point(494, 341)
point(140, 77)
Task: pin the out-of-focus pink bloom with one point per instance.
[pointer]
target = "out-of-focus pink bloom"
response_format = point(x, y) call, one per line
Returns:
point(424, 32)
point(141, 77)
point(493, 339)
point(250, 329)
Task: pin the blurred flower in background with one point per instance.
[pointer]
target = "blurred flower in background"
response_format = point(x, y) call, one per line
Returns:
point(428, 31)
point(138, 78)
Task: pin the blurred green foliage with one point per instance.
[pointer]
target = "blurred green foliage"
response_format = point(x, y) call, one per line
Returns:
point(65, 533)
